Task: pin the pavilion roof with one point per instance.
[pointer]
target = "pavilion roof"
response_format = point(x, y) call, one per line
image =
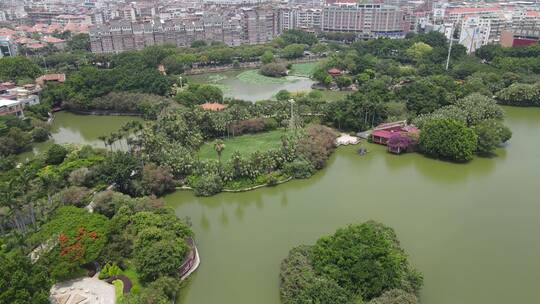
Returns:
point(213, 106)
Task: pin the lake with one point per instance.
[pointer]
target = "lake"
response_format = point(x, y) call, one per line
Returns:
point(79, 129)
point(472, 229)
point(250, 85)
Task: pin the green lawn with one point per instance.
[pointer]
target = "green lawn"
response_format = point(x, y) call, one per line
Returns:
point(253, 77)
point(118, 289)
point(303, 69)
point(334, 95)
point(245, 144)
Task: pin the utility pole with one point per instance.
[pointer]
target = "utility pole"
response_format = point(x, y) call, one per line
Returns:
point(451, 42)
point(450, 46)
point(45, 63)
point(292, 124)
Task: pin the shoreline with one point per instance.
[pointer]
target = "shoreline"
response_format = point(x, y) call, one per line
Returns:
point(102, 113)
point(188, 188)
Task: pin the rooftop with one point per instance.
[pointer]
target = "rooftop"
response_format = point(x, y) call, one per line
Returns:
point(213, 106)
point(7, 102)
point(51, 77)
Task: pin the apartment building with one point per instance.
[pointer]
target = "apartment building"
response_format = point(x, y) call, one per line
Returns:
point(456, 14)
point(475, 32)
point(526, 24)
point(119, 36)
point(367, 20)
point(258, 25)
point(7, 47)
point(304, 18)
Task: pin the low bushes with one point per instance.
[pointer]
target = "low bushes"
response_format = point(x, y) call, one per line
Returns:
point(520, 94)
point(299, 168)
point(207, 185)
point(317, 145)
point(254, 125)
point(109, 270)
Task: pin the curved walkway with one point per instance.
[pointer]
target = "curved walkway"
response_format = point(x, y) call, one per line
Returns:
point(192, 262)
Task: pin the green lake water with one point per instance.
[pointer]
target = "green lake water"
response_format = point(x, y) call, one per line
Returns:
point(472, 229)
point(249, 85)
point(80, 129)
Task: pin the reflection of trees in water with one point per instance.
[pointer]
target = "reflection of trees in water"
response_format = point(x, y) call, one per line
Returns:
point(224, 218)
point(239, 212)
point(205, 222)
point(440, 171)
point(284, 200)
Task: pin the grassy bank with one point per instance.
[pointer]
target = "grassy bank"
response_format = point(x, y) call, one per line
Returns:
point(244, 144)
point(303, 69)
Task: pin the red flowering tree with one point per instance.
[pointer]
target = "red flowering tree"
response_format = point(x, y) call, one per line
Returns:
point(78, 237)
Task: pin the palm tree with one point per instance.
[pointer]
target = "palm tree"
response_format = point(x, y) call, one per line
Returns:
point(104, 140)
point(219, 146)
point(111, 140)
point(10, 193)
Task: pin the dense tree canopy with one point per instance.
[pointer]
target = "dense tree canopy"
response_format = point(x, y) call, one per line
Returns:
point(300, 284)
point(78, 236)
point(298, 37)
point(21, 282)
point(356, 264)
point(273, 70)
point(18, 68)
point(448, 139)
point(365, 259)
point(520, 94)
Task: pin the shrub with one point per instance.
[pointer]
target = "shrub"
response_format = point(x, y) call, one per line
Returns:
point(79, 177)
point(395, 296)
point(254, 125)
point(208, 185)
point(491, 133)
point(55, 155)
point(109, 203)
point(272, 179)
point(317, 145)
point(74, 195)
point(7, 163)
point(299, 168)
point(520, 94)
point(267, 57)
point(477, 108)
point(40, 134)
point(15, 141)
point(159, 258)
point(273, 70)
point(109, 270)
point(157, 180)
point(343, 81)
